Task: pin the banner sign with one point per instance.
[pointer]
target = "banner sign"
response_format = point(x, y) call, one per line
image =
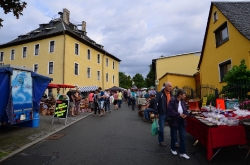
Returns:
point(21, 82)
point(61, 109)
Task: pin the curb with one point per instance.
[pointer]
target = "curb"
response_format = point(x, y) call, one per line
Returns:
point(40, 139)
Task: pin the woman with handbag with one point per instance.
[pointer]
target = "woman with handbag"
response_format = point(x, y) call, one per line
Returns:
point(176, 114)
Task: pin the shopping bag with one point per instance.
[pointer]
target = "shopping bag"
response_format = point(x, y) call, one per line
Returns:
point(154, 128)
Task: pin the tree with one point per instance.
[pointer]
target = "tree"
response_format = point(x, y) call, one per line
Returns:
point(124, 80)
point(238, 81)
point(150, 79)
point(14, 6)
point(139, 81)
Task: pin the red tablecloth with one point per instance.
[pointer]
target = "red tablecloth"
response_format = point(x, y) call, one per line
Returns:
point(215, 137)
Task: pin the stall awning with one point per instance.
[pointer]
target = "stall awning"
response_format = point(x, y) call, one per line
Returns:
point(60, 86)
point(88, 88)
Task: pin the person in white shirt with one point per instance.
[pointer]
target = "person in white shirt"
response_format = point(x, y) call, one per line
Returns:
point(176, 116)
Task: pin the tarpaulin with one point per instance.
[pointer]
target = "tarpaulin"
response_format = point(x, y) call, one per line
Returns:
point(40, 84)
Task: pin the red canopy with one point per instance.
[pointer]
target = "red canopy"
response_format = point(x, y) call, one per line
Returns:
point(60, 86)
point(50, 86)
point(66, 86)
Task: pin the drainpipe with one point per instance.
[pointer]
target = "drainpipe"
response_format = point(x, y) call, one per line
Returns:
point(63, 76)
point(103, 77)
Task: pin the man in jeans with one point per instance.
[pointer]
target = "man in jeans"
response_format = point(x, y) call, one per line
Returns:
point(160, 109)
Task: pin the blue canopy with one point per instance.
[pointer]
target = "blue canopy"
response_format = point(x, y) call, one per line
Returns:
point(40, 84)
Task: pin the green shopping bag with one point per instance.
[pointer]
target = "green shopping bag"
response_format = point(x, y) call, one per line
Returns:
point(154, 128)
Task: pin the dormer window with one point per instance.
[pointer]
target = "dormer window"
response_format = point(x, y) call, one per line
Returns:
point(51, 24)
point(41, 26)
point(215, 16)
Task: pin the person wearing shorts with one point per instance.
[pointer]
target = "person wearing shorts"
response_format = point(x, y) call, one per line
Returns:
point(116, 100)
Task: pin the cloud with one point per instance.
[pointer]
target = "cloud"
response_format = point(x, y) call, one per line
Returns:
point(134, 31)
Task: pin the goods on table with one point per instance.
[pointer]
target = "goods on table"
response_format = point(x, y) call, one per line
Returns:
point(214, 117)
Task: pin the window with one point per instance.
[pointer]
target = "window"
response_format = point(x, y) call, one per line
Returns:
point(36, 49)
point(35, 68)
point(215, 16)
point(98, 58)
point(107, 62)
point(1, 56)
point(113, 79)
point(76, 69)
point(107, 77)
point(88, 54)
point(12, 54)
point(221, 35)
point(52, 46)
point(51, 67)
point(88, 73)
point(24, 52)
point(113, 65)
point(224, 68)
point(98, 75)
point(76, 48)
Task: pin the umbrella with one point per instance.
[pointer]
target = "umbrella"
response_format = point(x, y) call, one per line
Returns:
point(115, 88)
point(134, 88)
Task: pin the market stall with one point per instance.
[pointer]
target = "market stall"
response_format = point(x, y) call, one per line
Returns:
point(47, 105)
point(217, 128)
point(215, 137)
point(21, 92)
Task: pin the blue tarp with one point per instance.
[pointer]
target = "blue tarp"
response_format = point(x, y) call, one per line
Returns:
point(40, 84)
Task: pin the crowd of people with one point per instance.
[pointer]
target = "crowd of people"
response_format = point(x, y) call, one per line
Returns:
point(163, 104)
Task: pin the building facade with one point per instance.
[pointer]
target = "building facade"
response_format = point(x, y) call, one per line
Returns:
point(176, 68)
point(226, 41)
point(60, 50)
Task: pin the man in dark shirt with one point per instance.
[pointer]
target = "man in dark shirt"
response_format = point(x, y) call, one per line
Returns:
point(71, 102)
point(149, 109)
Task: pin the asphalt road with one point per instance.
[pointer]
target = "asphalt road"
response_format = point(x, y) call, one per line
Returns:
point(119, 138)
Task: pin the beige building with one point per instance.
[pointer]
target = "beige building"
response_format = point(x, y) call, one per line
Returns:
point(58, 49)
point(179, 69)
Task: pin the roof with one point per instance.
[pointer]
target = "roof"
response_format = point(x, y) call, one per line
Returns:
point(176, 55)
point(54, 28)
point(176, 74)
point(238, 13)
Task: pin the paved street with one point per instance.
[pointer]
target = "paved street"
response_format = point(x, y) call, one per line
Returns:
point(118, 138)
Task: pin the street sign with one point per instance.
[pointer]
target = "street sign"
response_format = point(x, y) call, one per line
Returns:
point(156, 82)
point(61, 108)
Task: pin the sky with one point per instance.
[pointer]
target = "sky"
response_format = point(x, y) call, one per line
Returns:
point(135, 31)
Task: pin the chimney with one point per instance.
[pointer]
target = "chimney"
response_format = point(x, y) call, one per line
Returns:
point(66, 16)
point(83, 26)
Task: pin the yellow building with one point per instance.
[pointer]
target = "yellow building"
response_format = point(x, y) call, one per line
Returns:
point(58, 49)
point(226, 41)
point(178, 69)
point(178, 80)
